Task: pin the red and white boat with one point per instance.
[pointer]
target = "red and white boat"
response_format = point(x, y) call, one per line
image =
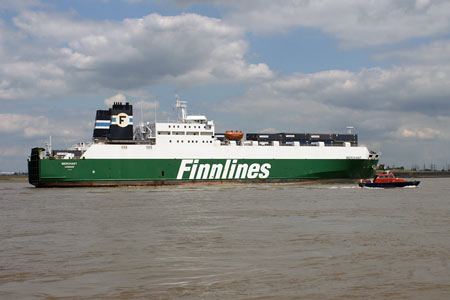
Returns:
point(387, 179)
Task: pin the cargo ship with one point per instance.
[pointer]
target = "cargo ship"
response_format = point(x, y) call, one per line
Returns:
point(189, 150)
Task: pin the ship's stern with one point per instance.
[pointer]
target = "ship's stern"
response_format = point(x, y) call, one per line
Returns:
point(34, 166)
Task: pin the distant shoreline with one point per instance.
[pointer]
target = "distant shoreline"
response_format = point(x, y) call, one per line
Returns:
point(14, 177)
point(421, 174)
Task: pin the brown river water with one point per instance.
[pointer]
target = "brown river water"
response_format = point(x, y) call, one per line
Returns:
point(289, 241)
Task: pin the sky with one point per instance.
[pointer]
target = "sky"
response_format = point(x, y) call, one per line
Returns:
point(317, 66)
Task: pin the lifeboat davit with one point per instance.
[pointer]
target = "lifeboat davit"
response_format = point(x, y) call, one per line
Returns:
point(234, 135)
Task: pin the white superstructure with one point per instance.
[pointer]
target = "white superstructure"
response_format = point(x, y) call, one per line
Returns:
point(194, 137)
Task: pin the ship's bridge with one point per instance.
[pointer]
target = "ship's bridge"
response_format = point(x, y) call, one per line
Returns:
point(196, 119)
point(194, 130)
point(187, 130)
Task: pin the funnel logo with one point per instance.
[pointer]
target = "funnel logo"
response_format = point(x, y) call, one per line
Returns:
point(122, 120)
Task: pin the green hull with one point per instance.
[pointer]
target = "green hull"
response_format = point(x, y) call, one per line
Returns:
point(116, 172)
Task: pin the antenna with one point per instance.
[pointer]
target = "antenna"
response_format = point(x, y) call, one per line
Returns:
point(142, 113)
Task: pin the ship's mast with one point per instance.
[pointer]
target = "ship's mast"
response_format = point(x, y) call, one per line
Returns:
point(349, 129)
point(181, 109)
point(48, 145)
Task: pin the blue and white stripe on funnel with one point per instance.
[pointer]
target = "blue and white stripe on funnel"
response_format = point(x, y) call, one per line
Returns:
point(102, 124)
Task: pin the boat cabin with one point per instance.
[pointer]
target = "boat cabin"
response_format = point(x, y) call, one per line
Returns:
point(386, 177)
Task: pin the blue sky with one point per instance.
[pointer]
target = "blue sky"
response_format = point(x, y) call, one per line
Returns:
point(256, 65)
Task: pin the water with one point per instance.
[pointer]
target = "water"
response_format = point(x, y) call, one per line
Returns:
point(225, 242)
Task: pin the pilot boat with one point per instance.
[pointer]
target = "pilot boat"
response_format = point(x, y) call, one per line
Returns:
point(387, 179)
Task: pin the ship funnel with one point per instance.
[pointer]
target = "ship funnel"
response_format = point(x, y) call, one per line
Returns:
point(121, 127)
point(102, 123)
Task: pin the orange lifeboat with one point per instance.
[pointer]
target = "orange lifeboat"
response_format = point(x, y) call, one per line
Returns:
point(234, 135)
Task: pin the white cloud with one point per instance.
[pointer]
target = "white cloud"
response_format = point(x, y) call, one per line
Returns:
point(116, 98)
point(423, 133)
point(355, 23)
point(68, 55)
point(421, 89)
point(433, 53)
point(29, 126)
point(13, 151)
